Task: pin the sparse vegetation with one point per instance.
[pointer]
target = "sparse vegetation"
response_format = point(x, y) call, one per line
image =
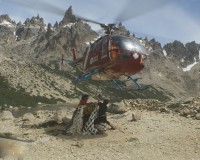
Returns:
point(13, 97)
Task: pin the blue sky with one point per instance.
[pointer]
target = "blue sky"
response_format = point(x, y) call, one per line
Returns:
point(164, 20)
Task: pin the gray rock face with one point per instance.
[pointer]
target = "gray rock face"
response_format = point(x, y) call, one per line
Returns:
point(68, 18)
point(155, 45)
point(31, 27)
point(186, 53)
point(7, 28)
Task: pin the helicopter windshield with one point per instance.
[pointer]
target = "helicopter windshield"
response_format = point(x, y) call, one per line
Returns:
point(127, 43)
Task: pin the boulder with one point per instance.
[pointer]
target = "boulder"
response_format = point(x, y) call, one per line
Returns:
point(117, 108)
point(6, 115)
point(185, 112)
point(188, 100)
point(136, 116)
point(7, 125)
point(28, 117)
point(198, 109)
point(197, 116)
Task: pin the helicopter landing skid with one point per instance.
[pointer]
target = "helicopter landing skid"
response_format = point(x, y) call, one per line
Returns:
point(122, 86)
point(85, 76)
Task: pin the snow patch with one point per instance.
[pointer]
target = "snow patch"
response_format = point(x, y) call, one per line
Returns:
point(6, 23)
point(69, 25)
point(141, 41)
point(88, 43)
point(150, 49)
point(189, 67)
point(53, 29)
point(165, 53)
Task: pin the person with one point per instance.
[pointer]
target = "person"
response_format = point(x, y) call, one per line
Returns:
point(83, 101)
point(102, 118)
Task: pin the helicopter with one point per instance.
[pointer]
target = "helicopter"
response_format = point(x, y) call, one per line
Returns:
point(111, 56)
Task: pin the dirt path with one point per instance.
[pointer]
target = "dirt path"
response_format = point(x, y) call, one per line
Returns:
point(155, 137)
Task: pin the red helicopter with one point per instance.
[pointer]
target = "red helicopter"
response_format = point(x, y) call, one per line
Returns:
point(110, 57)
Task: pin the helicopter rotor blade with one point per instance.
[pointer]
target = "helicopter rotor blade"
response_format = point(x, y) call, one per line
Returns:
point(106, 27)
point(39, 5)
point(88, 20)
point(131, 9)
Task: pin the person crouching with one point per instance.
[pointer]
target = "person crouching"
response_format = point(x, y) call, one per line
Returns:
point(102, 118)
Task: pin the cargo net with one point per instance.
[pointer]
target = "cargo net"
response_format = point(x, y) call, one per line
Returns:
point(77, 125)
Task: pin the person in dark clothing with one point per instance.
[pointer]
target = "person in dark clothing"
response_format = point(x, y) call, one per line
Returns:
point(102, 118)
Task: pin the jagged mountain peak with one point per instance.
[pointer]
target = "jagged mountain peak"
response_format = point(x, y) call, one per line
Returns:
point(186, 54)
point(35, 21)
point(5, 17)
point(68, 17)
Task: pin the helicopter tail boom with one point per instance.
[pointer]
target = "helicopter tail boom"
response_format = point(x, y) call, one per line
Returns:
point(76, 60)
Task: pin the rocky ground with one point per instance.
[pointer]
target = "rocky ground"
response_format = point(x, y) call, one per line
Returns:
point(140, 134)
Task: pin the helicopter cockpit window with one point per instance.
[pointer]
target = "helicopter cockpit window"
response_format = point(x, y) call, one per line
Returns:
point(127, 44)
